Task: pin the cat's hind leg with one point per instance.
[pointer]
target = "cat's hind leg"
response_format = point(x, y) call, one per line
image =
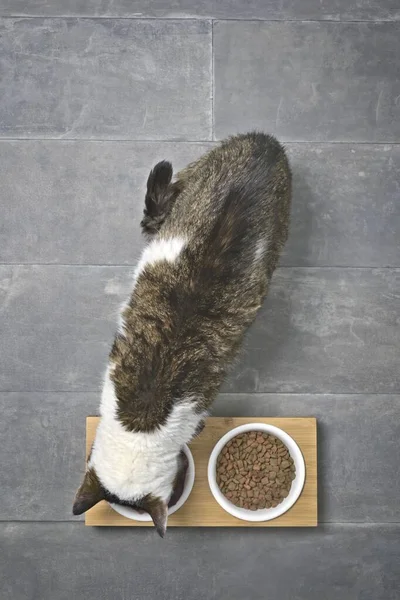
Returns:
point(160, 197)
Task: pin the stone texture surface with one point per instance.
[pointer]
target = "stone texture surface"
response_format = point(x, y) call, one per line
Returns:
point(357, 438)
point(78, 202)
point(57, 325)
point(320, 330)
point(346, 205)
point(324, 330)
point(62, 561)
point(113, 79)
point(308, 81)
point(89, 101)
point(217, 9)
point(43, 456)
point(82, 202)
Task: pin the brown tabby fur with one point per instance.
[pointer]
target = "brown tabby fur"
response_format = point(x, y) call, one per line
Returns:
point(185, 320)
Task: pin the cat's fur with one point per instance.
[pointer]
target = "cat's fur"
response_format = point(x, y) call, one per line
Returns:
point(216, 236)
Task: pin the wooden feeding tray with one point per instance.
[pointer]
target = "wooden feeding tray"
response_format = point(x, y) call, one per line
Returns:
point(201, 510)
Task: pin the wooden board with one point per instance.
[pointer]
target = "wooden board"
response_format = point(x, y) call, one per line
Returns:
point(201, 510)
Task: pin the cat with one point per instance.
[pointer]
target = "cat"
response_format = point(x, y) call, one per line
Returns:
point(215, 236)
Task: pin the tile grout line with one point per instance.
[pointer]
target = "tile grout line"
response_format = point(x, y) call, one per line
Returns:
point(249, 393)
point(133, 265)
point(184, 141)
point(104, 140)
point(193, 19)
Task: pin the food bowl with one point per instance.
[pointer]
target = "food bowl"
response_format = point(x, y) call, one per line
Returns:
point(131, 513)
point(262, 514)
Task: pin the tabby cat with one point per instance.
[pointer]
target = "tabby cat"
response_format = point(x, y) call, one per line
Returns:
point(216, 234)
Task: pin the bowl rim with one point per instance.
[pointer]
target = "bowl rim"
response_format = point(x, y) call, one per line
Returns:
point(131, 513)
point(263, 514)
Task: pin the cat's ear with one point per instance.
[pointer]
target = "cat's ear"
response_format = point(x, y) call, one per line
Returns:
point(158, 510)
point(89, 494)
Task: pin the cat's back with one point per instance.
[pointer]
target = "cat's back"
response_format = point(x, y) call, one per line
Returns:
point(203, 277)
point(253, 165)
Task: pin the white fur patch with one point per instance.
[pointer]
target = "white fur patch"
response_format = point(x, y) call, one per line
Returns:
point(108, 404)
point(131, 465)
point(158, 250)
point(121, 321)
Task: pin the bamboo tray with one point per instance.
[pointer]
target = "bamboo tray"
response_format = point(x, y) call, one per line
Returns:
point(201, 510)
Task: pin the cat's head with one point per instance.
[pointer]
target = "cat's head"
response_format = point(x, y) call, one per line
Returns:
point(135, 470)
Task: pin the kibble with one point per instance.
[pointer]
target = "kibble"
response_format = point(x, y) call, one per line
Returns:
point(255, 471)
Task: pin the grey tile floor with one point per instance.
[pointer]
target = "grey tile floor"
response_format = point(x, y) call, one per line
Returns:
point(92, 94)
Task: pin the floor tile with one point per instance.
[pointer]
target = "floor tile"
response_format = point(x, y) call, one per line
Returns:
point(100, 78)
point(43, 457)
point(356, 482)
point(357, 440)
point(57, 325)
point(64, 561)
point(308, 81)
point(82, 202)
point(78, 202)
point(321, 330)
point(221, 9)
point(346, 205)
point(324, 330)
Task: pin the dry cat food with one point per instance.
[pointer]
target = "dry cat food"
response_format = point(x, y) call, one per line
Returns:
point(255, 470)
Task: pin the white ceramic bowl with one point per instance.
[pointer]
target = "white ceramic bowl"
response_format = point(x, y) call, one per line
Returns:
point(130, 513)
point(263, 514)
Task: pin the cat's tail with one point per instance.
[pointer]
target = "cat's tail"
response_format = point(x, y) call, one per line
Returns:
point(160, 197)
